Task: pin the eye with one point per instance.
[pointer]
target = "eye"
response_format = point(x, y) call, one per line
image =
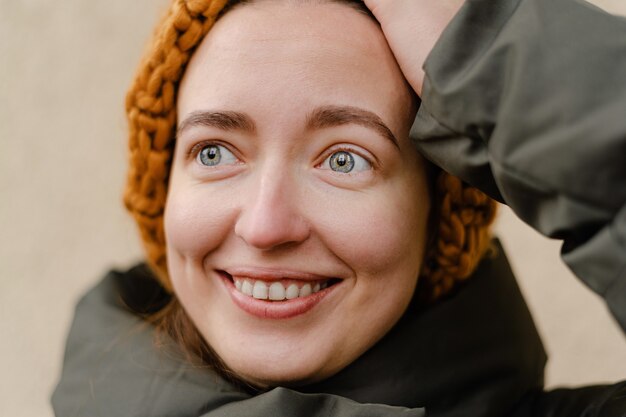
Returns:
point(345, 162)
point(212, 155)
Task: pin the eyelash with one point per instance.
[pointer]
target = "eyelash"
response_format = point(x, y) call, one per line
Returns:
point(372, 161)
point(194, 152)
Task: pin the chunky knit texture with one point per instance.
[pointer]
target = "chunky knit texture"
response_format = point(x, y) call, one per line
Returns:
point(462, 236)
point(463, 213)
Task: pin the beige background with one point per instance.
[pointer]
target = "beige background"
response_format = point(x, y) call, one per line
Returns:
point(64, 68)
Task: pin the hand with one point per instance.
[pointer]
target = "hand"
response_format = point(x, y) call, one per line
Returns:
point(412, 27)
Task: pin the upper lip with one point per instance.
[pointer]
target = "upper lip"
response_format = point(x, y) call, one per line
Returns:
point(273, 274)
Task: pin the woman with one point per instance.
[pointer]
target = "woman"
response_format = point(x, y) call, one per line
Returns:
point(293, 179)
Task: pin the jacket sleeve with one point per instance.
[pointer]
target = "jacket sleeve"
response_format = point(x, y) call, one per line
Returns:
point(526, 99)
point(112, 368)
point(595, 401)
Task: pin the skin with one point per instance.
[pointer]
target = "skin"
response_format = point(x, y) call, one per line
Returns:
point(412, 27)
point(277, 204)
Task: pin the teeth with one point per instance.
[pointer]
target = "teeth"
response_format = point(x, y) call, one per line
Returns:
point(305, 290)
point(259, 290)
point(292, 292)
point(276, 291)
point(246, 288)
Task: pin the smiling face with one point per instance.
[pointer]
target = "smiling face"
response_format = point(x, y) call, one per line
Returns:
point(297, 208)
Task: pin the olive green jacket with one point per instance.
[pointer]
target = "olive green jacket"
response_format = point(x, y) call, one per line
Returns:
point(526, 99)
point(478, 351)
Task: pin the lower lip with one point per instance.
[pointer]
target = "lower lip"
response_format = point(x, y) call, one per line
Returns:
point(275, 309)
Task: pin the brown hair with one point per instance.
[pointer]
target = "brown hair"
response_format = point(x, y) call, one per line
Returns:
point(461, 214)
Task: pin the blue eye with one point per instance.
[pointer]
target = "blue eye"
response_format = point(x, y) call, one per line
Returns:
point(345, 162)
point(212, 155)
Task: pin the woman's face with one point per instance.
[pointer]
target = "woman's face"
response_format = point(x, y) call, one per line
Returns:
point(294, 179)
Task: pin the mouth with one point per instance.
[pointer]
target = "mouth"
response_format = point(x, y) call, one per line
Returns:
point(279, 290)
point(276, 296)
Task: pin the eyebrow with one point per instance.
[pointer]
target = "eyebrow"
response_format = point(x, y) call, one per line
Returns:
point(224, 120)
point(320, 118)
point(331, 116)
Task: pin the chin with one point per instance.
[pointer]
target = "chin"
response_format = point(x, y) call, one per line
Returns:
point(280, 375)
point(277, 363)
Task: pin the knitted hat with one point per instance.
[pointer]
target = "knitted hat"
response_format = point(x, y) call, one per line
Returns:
point(462, 213)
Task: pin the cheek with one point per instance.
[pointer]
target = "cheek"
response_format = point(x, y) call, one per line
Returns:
point(194, 224)
point(380, 232)
point(194, 227)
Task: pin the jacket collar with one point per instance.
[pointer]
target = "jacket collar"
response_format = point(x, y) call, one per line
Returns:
point(475, 353)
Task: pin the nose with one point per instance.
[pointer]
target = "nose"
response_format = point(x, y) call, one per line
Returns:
point(270, 215)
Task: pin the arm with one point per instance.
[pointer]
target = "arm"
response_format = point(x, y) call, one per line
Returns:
point(526, 99)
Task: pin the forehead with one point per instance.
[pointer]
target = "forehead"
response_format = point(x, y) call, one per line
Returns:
point(272, 56)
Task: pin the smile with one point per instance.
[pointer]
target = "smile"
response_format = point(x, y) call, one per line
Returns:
point(277, 290)
point(276, 295)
